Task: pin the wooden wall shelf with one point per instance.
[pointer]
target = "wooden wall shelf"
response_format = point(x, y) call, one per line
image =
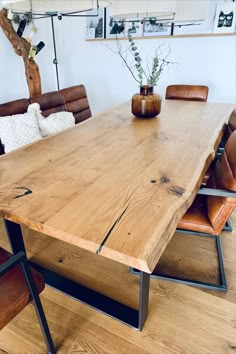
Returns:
point(163, 37)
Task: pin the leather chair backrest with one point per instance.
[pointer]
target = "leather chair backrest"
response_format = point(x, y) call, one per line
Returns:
point(223, 177)
point(232, 121)
point(187, 92)
point(72, 99)
point(230, 127)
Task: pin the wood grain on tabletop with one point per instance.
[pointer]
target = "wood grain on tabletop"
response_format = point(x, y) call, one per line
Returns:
point(115, 178)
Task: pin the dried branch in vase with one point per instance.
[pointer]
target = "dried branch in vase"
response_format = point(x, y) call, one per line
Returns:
point(143, 73)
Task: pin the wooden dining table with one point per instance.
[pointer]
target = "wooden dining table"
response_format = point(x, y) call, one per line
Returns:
point(114, 185)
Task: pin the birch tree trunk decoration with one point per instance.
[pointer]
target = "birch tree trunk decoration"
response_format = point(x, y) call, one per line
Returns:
point(22, 48)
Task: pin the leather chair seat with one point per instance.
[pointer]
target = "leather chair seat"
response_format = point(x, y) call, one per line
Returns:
point(196, 218)
point(14, 293)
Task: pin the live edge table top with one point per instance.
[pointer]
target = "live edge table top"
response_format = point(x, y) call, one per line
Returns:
point(114, 184)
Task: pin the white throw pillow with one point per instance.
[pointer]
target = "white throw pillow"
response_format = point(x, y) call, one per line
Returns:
point(34, 107)
point(18, 130)
point(55, 122)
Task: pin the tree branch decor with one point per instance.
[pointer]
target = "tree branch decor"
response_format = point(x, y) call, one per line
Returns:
point(22, 48)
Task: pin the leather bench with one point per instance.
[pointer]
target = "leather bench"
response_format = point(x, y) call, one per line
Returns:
point(72, 99)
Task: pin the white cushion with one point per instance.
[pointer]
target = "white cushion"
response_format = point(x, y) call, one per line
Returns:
point(18, 130)
point(33, 107)
point(55, 122)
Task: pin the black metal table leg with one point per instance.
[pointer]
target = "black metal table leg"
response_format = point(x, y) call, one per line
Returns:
point(14, 235)
point(143, 298)
point(125, 314)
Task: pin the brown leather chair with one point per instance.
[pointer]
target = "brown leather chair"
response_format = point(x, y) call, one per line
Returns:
point(213, 206)
point(187, 92)
point(232, 121)
point(210, 211)
point(230, 127)
point(18, 287)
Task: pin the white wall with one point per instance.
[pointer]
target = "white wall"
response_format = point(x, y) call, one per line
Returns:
point(201, 60)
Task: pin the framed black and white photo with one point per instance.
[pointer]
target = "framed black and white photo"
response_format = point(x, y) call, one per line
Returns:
point(153, 27)
point(133, 26)
point(95, 25)
point(225, 18)
point(115, 27)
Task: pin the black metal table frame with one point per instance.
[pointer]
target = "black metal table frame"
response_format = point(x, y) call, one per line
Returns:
point(132, 317)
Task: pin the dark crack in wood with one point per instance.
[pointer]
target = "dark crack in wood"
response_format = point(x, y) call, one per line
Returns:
point(110, 231)
point(130, 196)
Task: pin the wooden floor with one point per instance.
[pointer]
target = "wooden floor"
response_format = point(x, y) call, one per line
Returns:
point(181, 319)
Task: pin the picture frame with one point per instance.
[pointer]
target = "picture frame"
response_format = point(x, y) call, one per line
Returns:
point(133, 26)
point(152, 27)
point(95, 25)
point(225, 18)
point(115, 28)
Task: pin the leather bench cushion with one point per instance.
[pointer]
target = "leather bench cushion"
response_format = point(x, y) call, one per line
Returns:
point(14, 294)
point(187, 92)
point(76, 101)
point(14, 107)
point(50, 102)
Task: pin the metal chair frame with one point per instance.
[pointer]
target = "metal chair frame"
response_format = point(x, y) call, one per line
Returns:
point(228, 227)
point(20, 258)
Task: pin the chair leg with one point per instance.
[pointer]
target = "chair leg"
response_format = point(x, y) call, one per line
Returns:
point(228, 226)
point(38, 307)
point(219, 287)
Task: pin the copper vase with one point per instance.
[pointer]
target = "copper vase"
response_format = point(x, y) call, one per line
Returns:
point(146, 104)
